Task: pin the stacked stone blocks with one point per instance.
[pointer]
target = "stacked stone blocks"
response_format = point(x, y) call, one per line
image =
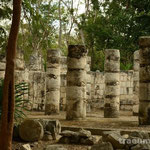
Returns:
point(112, 83)
point(53, 82)
point(144, 85)
point(76, 82)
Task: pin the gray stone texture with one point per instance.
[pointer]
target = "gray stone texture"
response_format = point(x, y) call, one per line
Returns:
point(52, 82)
point(144, 85)
point(31, 130)
point(136, 68)
point(112, 83)
point(76, 82)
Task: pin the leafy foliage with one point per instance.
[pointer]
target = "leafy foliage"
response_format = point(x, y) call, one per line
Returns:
point(117, 24)
point(20, 103)
point(106, 24)
point(5, 14)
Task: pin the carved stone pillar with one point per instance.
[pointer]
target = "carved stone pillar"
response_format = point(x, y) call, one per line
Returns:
point(53, 82)
point(112, 83)
point(144, 85)
point(76, 82)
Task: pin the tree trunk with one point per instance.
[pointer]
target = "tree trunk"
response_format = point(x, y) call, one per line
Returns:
point(60, 26)
point(9, 87)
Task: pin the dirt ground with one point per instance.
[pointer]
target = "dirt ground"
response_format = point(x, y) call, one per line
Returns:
point(93, 120)
point(40, 145)
point(96, 120)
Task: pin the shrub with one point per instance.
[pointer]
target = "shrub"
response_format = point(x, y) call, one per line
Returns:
point(20, 103)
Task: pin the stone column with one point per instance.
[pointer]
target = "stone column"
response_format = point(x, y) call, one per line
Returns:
point(20, 67)
point(2, 68)
point(53, 82)
point(76, 82)
point(144, 85)
point(88, 84)
point(112, 83)
point(136, 83)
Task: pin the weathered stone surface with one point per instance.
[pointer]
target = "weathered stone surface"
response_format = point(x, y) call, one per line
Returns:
point(80, 137)
point(84, 133)
point(37, 89)
point(31, 130)
point(77, 51)
point(141, 147)
point(68, 133)
point(142, 135)
point(66, 140)
point(76, 78)
point(88, 141)
point(112, 83)
point(115, 139)
point(113, 90)
point(112, 77)
point(51, 126)
point(76, 82)
point(102, 146)
point(47, 137)
point(53, 82)
point(136, 109)
point(35, 62)
point(144, 90)
point(55, 147)
point(25, 147)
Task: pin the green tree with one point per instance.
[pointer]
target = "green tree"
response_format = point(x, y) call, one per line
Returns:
point(115, 24)
point(8, 100)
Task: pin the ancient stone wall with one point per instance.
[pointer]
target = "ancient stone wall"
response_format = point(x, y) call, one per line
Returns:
point(126, 90)
point(37, 83)
point(95, 85)
point(33, 75)
point(97, 90)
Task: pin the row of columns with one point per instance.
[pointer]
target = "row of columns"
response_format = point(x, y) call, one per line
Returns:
point(76, 82)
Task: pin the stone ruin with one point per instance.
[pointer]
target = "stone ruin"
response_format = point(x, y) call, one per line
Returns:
point(68, 84)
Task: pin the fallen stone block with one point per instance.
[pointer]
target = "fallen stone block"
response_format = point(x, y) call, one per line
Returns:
point(116, 140)
point(102, 146)
point(55, 147)
point(142, 135)
point(25, 147)
point(68, 133)
point(88, 141)
point(84, 133)
point(31, 130)
point(52, 126)
point(141, 147)
point(64, 140)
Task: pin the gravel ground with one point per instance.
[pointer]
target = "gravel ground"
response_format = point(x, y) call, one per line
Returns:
point(96, 120)
point(42, 144)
